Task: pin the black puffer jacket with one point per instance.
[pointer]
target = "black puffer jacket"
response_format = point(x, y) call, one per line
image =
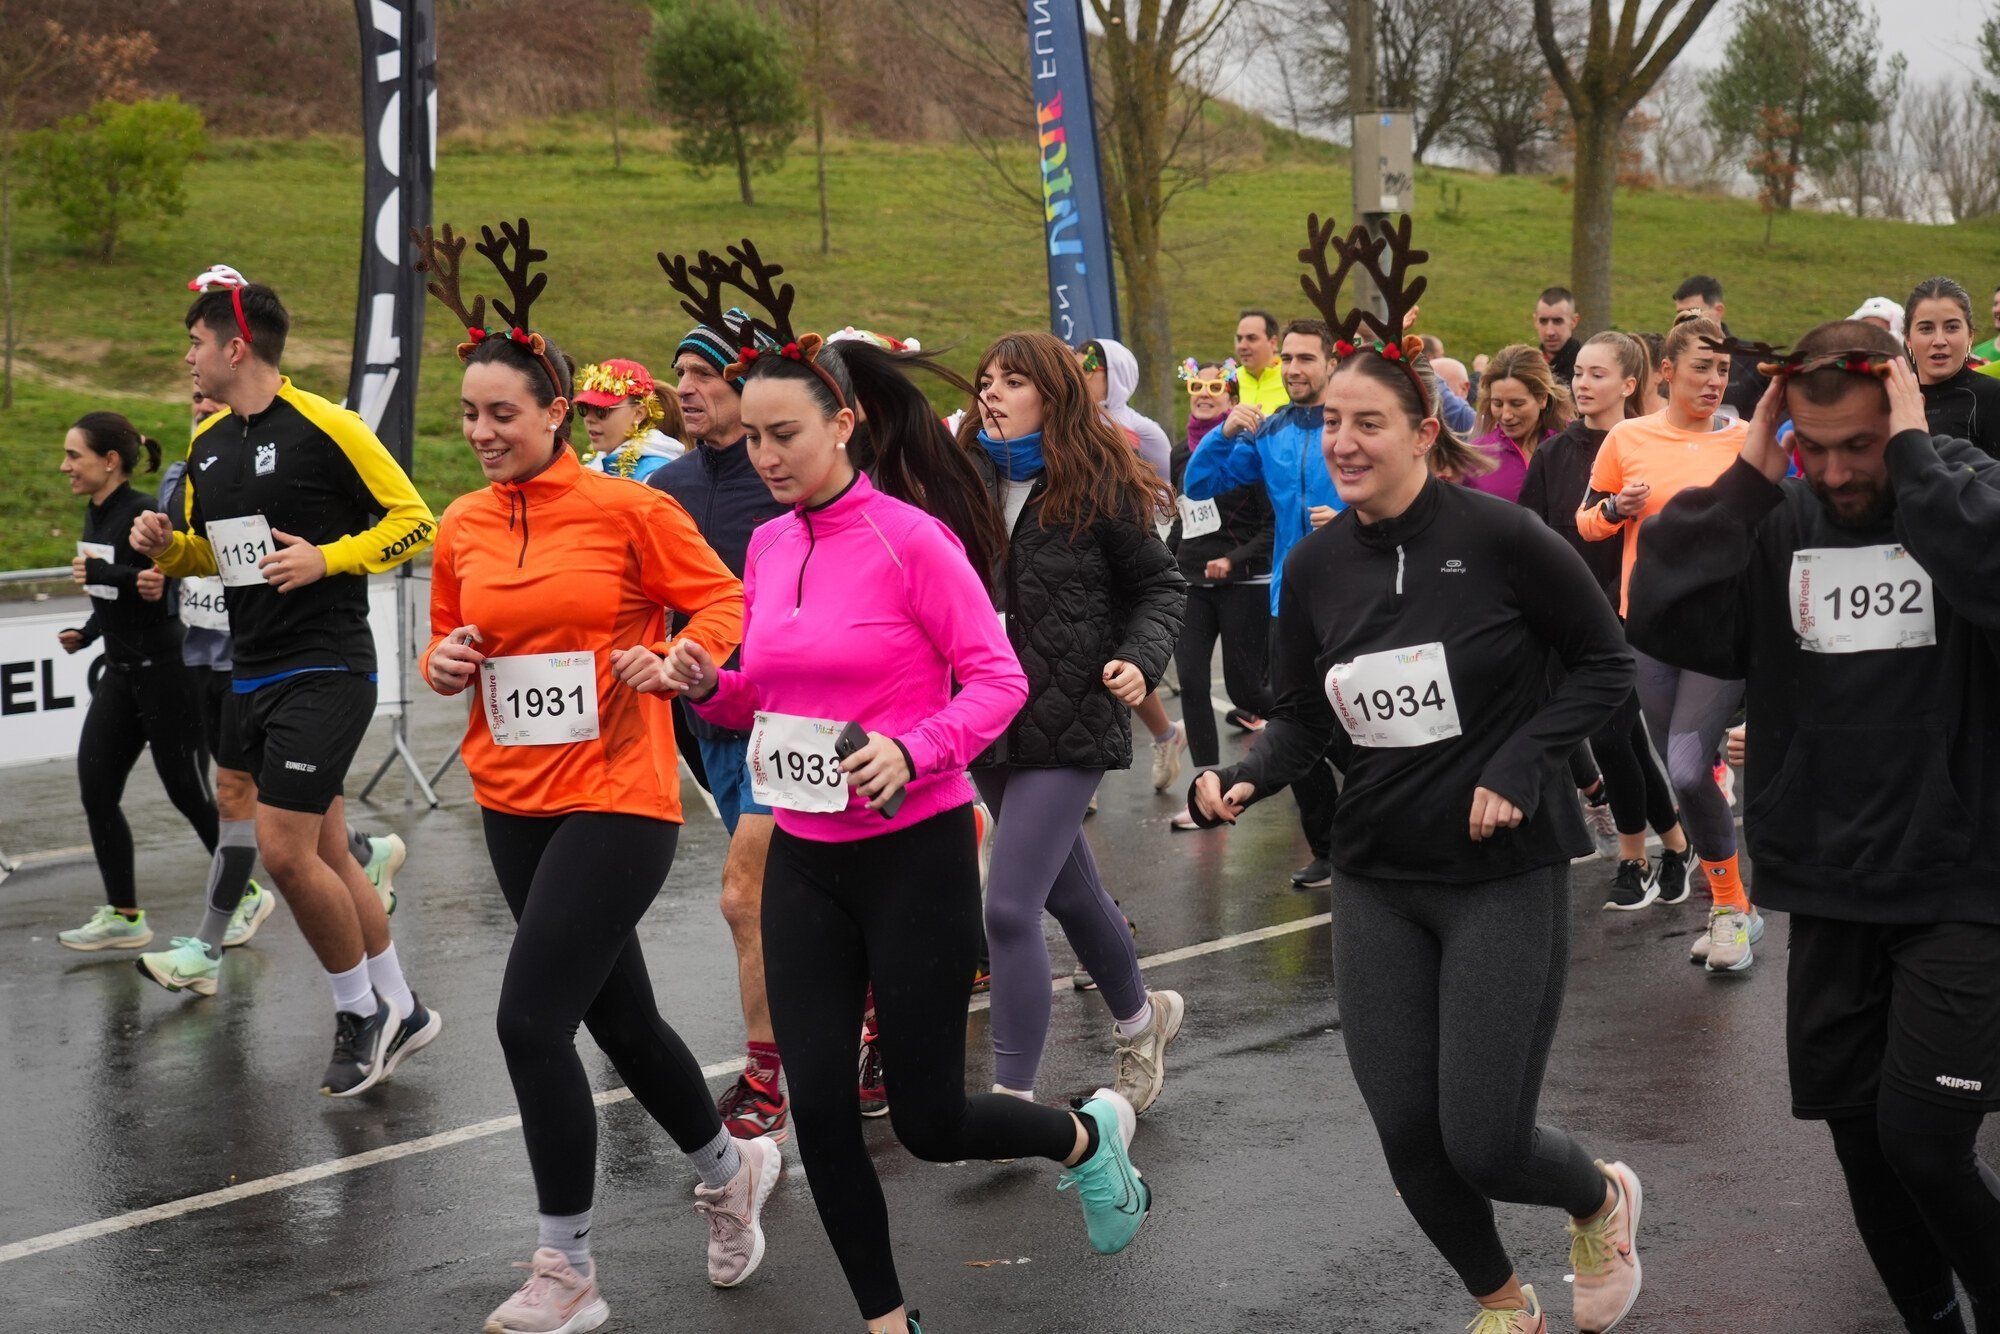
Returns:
point(1071, 607)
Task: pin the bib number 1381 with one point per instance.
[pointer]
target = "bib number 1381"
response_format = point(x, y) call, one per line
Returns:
point(1398, 697)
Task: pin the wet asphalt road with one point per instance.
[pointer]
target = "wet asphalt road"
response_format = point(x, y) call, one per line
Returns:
point(1273, 1211)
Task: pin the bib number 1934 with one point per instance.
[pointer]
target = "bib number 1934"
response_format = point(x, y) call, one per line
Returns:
point(1398, 697)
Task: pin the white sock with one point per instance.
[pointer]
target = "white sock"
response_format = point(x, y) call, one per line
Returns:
point(351, 992)
point(1137, 1023)
point(718, 1161)
point(387, 975)
point(568, 1233)
point(1025, 1095)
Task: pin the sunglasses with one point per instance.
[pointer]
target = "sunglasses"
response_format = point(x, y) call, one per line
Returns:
point(1218, 385)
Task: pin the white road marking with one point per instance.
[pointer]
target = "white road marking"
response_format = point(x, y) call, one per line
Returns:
point(245, 1190)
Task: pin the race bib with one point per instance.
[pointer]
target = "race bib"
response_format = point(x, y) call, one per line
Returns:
point(238, 545)
point(1199, 518)
point(202, 605)
point(792, 764)
point(1857, 599)
point(101, 550)
point(1398, 697)
point(540, 699)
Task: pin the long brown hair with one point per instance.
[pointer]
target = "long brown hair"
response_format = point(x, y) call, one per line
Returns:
point(1093, 471)
point(1527, 366)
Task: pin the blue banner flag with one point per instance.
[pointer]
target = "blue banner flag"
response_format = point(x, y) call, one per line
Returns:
point(1083, 299)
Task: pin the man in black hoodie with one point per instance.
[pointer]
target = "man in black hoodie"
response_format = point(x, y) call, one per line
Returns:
point(1862, 605)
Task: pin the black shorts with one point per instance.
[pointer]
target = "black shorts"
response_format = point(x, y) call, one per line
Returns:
point(297, 736)
point(212, 695)
point(1916, 1007)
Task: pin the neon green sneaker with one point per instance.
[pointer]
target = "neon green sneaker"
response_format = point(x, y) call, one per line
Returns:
point(188, 966)
point(108, 929)
point(386, 856)
point(255, 905)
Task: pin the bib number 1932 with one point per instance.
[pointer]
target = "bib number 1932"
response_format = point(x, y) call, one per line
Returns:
point(1397, 697)
point(1858, 599)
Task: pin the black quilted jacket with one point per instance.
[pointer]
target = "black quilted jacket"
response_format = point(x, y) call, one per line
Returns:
point(1072, 607)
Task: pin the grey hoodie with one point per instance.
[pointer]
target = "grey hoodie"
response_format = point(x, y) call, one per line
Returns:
point(1121, 378)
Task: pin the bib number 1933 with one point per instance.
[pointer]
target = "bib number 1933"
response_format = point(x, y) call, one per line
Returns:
point(793, 765)
point(1397, 697)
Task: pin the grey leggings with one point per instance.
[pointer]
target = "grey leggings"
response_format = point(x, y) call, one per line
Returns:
point(1687, 714)
point(1449, 996)
point(1041, 860)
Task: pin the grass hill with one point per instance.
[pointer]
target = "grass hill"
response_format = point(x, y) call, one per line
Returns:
point(920, 248)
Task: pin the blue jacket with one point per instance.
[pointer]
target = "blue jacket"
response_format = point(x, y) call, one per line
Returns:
point(1284, 455)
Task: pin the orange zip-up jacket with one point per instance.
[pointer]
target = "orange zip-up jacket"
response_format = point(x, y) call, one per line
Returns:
point(1670, 460)
point(577, 561)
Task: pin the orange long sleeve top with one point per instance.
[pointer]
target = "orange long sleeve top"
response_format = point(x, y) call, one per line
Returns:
point(1665, 457)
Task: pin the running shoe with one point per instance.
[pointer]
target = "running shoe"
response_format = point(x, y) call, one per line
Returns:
point(1513, 1320)
point(750, 1109)
point(1183, 819)
point(1315, 874)
point(1633, 886)
point(1605, 1256)
point(1167, 759)
point(982, 977)
point(386, 856)
point(911, 1317)
point(1731, 933)
point(1115, 1198)
point(1142, 1058)
point(360, 1050)
point(256, 904)
point(1698, 951)
point(1677, 875)
point(108, 929)
point(188, 966)
point(874, 1093)
point(1597, 818)
point(1243, 722)
point(417, 1030)
point(555, 1299)
point(735, 1212)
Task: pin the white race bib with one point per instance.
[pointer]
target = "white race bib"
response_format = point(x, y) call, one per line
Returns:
point(1199, 518)
point(101, 550)
point(202, 607)
point(1398, 697)
point(792, 763)
point(1857, 599)
point(540, 699)
point(238, 545)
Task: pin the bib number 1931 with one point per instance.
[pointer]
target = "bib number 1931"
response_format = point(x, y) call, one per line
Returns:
point(1398, 697)
point(540, 699)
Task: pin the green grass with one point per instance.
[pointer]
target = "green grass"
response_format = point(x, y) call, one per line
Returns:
point(919, 249)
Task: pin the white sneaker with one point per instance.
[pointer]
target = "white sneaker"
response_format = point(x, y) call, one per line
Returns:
point(1698, 951)
point(1603, 827)
point(1730, 936)
point(735, 1212)
point(556, 1299)
point(1167, 758)
point(1183, 819)
point(1142, 1058)
point(108, 929)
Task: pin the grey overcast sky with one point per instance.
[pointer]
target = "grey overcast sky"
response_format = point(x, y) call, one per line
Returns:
point(1940, 37)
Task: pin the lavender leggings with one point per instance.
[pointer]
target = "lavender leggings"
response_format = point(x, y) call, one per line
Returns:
point(1042, 860)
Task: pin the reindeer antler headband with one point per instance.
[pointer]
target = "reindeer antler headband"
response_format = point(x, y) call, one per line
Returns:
point(1365, 248)
point(700, 285)
point(514, 256)
point(1776, 364)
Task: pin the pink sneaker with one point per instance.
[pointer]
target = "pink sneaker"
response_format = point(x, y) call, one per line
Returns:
point(1525, 1320)
point(735, 1232)
point(1605, 1256)
point(555, 1299)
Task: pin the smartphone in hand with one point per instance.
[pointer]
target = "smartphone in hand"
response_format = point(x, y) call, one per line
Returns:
point(853, 738)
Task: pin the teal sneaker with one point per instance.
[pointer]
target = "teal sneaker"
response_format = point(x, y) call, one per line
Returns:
point(1115, 1199)
point(386, 856)
point(188, 966)
point(108, 929)
point(256, 904)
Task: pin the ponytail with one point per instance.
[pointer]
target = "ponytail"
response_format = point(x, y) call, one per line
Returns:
point(111, 433)
point(152, 448)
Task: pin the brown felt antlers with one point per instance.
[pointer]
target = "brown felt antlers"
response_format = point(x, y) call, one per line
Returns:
point(700, 285)
point(514, 256)
point(440, 255)
point(1366, 248)
point(1324, 293)
point(521, 286)
point(1776, 364)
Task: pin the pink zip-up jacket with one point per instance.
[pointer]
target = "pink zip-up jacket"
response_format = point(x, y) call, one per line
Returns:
point(866, 610)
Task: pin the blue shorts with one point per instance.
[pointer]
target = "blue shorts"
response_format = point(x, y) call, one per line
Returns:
point(726, 760)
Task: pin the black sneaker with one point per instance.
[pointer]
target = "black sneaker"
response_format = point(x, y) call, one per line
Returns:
point(360, 1050)
point(418, 1029)
point(1676, 876)
point(1632, 887)
point(1315, 874)
point(874, 1092)
point(1244, 722)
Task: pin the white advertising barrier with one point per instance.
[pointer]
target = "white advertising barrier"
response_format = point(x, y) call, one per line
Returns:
point(44, 691)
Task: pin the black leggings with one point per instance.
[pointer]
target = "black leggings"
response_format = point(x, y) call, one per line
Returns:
point(578, 885)
point(901, 911)
point(1240, 615)
point(135, 706)
point(1448, 1045)
point(1925, 1205)
point(1639, 793)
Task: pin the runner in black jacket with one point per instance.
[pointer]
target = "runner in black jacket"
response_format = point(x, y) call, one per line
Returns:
point(143, 697)
point(1958, 401)
point(1415, 631)
point(1862, 604)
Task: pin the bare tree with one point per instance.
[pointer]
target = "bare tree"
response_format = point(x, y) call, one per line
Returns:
point(821, 24)
point(1680, 148)
point(1955, 142)
point(1424, 51)
point(1619, 62)
point(1506, 119)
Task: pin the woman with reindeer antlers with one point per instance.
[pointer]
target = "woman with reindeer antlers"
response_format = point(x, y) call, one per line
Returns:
point(547, 592)
point(873, 672)
point(1414, 635)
